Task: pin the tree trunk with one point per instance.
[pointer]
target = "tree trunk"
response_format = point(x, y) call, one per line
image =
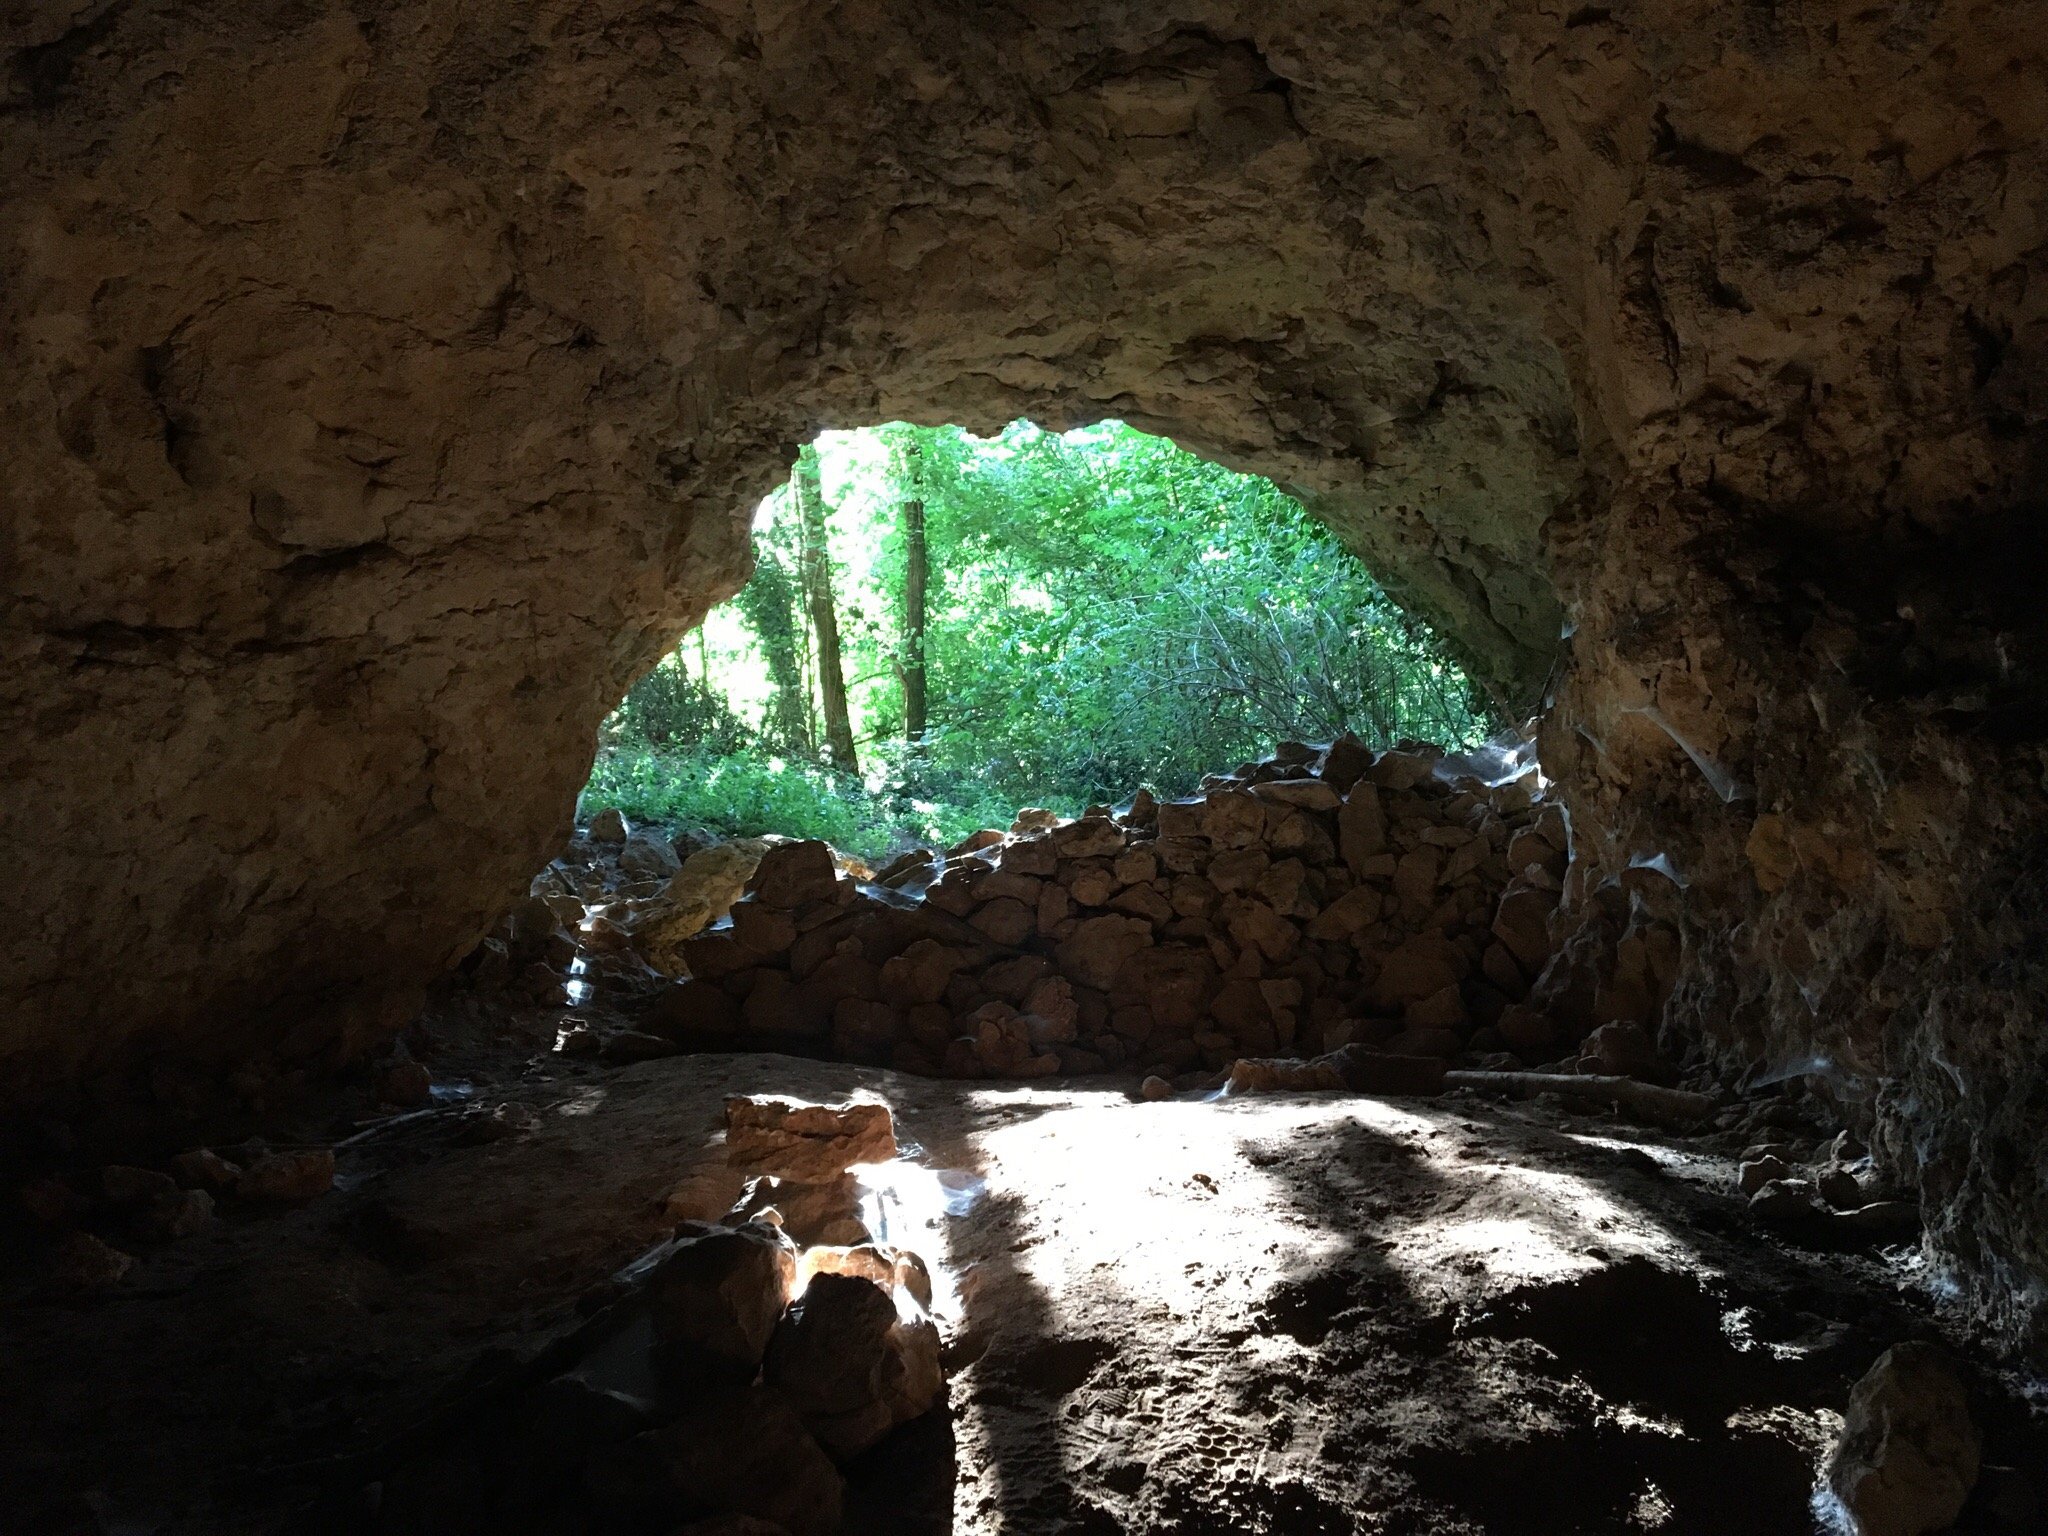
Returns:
point(817, 563)
point(916, 570)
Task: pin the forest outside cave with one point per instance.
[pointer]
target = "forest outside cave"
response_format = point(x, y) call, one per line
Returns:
point(942, 628)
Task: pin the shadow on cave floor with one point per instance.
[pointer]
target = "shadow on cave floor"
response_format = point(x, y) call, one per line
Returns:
point(1287, 1316)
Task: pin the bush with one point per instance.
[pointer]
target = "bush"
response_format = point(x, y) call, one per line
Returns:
point(745, 794)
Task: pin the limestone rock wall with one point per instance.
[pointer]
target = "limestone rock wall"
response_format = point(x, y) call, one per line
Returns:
point(387, 384)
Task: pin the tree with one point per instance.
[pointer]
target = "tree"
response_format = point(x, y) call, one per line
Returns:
point(916, 570)
point(768, 604)
point(817, 578)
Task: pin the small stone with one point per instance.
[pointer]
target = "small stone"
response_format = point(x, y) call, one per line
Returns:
point(1840, 1188)
point(608, 826)
point(52, 1202)
point(84, 1263)
point(823, 1213)
point(405, 1084)
point(579, 1040)
point(1755, 1174)
point(809, 1143)
point(716, 1300)
point(180, 1213)
point(1786, 1201)
point(631, 1045)
point(134, 1186)
point(1155, 1088)
point(288, 1177)
point(205, 1169)
point(1908, 1456)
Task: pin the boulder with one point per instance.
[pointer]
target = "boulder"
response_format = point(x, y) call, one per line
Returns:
point(854, 1364)
point(698, 895)
point(715, 1301)
point(1908, 1454)
point(608, 826)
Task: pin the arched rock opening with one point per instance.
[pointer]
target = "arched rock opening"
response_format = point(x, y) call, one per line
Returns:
point(389, 383)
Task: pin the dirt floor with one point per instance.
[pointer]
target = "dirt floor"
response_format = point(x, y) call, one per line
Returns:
point(1312, 1313)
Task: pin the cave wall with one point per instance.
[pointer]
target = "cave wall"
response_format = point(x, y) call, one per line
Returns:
point(388, 384)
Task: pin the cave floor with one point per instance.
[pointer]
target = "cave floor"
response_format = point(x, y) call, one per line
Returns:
point(1299, 1313)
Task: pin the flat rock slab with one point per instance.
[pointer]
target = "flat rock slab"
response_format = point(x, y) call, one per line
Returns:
point(809, 1143)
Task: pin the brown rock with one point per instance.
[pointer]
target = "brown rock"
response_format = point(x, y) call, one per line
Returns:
point(1089, 838)
point(746, 1452)
point(1361, 827)
point(1238, 869)
point(828, 1212)
point(84, 1263)
point(1355, 909)
point(1400, 770)
point(1090, 885)
point(1055, 906)
point(1442, 1009)
point(404, 1084)
point(52, 1202)
point(716, 1299)
point(181, 1213)
point(852, 1365)
point(1415, 879)
point(1522, 924)
point(1232, 818)
point(1136, 866)
point(791, 874)
point(1909, 1452)
point(1435, 1042)
point(1006, 921)
point(808, 1143)
point(1145, 902)
point(695, 1012)
point(1371, 1071)
point(781, 1006)
point(1525, 1029)
point(1099, 947)
point(1411, 972)
point(630, 1045)
point(1155, 1088)
point(1304, 794)
point(123, 1185)
point(1034, 855)
point(765, 933)
point(1254, 924)
point(920, 974)
point(864, 1030)
point(1344, 763)
point(287, 1177)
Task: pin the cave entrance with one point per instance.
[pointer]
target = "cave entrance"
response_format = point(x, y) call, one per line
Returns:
point(941, 628)
point(958, 649)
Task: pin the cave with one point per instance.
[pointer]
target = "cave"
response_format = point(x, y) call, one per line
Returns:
point(389, 386)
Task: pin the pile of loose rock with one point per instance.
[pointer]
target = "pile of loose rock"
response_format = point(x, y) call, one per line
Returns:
point(100, 1216)
point(1324, 898)
point(730, 1375)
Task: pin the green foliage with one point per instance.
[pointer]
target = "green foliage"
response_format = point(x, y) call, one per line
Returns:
point(669, 708)
point(744, 794)
point(1105, 611)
